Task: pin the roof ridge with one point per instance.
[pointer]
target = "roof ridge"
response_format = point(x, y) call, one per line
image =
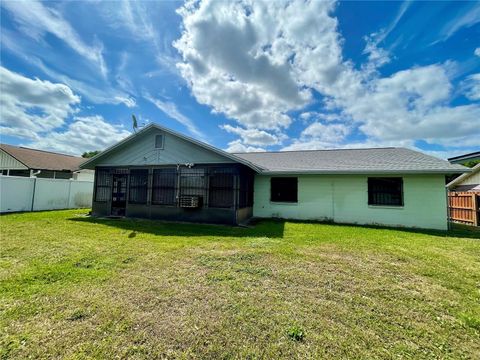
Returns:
point(312, 150)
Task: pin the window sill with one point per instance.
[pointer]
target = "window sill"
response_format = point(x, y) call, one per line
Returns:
point(394, 207)
point(283, 203)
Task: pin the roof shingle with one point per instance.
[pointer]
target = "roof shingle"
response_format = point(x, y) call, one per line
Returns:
point(43, 160)
point(377, 160)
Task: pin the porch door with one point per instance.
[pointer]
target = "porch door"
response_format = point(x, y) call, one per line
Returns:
point(119, 194)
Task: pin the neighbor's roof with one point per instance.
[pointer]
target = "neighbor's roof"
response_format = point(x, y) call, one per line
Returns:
point(465, 157)
point(43, 160)
point(348, 161)
point(462, 177)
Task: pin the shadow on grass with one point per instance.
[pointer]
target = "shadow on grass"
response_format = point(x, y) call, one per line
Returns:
point(270, 229)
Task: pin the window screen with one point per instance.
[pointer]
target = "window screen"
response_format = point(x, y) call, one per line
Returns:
point(385, 191)
point(159, 141)
point(163, 188)
point(221, 192)
point(138, 186)
point(284, 189)
point(103, 182)
point(192, 181)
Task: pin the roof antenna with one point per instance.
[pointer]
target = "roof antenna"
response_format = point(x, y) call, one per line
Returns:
point(134, 123)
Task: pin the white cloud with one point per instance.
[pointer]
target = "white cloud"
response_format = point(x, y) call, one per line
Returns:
point(237, 146)
point(321, 136)
point(170, 109)
point(377, 57)
point(83, 134)
point(99, 93)
point(472, 87)
point(477, 52)
point(33, 106)
point(254, 136)
point(35, 19)
point(235, 61)
point(466, 19)
point(257, 62)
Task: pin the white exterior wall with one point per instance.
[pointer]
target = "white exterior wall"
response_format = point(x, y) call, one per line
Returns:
point(344, 199)
point(473, 179)
point(16, 194)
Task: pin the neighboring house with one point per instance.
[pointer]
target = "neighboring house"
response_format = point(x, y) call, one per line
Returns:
point(160, 174)
point(21, 161)
point(462, 159)
point(467, 182)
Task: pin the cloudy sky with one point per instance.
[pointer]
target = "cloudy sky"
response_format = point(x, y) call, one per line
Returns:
point(243, 75)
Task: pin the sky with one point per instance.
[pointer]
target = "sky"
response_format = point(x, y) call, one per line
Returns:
point(242, 75)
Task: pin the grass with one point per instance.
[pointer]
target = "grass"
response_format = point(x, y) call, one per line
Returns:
point(75, 287)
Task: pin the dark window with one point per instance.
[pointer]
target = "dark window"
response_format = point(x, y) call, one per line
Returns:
point(163, 188)
point(159, 141)
point(284, 189)
point(103, 180)
point(192, 181)
point(138, 186)
point(220, 194)
point(385, 191)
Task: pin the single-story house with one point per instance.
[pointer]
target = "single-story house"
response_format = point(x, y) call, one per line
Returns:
point(26, 162)
point(160, 174)
point(467, 182)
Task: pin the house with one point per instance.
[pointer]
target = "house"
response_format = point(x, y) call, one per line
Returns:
point(26, 162)
point(467, 182)
point(160, 174)
point(466, 158)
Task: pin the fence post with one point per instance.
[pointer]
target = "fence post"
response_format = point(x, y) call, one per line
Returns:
point(475, 209)
point(33, 193)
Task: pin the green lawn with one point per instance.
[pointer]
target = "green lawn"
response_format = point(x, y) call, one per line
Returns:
point(77, 287)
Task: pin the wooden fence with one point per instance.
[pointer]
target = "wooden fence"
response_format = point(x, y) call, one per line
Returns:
point(464, 207)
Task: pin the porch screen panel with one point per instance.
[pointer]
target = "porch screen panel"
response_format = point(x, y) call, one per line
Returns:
point(138, 186)
point(193, 182)
point(164, 186)
point(221, 188)
point(103, 184)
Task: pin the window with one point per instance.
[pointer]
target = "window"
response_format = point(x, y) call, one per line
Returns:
point(138, 186)
point(163, 187)
point(284, 189)
point(385, 191)
point(192, 181)
point(221, 192)
point(159, 141)
point(102, 190)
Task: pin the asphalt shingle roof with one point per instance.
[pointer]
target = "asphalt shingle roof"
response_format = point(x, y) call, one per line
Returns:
point(43, 160)
point(378, 160)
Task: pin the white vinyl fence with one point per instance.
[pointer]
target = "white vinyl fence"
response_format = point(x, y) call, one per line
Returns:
point(35, 194)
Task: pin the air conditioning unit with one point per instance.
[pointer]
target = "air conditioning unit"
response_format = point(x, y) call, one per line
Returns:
point(190, 201)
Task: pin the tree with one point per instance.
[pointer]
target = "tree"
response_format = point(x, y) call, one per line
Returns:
point(471, 163)
point(89, 154)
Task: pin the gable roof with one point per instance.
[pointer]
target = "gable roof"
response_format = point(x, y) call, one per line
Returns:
point(341, 161)
point(91, 162)
point(43, 160)
point(350, 161)
point(458, 180)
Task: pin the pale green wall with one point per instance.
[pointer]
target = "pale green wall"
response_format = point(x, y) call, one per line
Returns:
point(9, 162)
point(344, 199)
point(141, 151)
